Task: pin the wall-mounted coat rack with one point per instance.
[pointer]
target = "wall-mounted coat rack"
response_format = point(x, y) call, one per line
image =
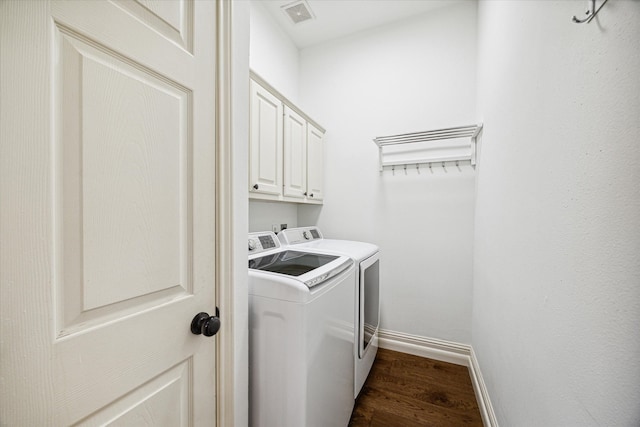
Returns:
point(465, 153)
point(590, 13)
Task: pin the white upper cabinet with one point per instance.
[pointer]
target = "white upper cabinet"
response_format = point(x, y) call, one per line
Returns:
point(315, 163)
point(295, 154)
point(286, 149)
point(265, 152)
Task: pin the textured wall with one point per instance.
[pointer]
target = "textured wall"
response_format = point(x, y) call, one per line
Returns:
point(556, 307)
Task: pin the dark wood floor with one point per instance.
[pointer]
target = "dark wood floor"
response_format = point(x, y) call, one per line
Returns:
point(404, 390)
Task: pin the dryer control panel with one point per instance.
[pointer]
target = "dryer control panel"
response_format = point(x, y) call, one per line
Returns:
point(263, 241)
point(292, 236)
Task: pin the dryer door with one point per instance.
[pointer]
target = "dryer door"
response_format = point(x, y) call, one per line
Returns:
point(369, 305)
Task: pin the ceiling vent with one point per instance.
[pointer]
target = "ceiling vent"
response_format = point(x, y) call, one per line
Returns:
point(298, 11)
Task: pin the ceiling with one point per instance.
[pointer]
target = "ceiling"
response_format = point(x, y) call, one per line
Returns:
point(339, 18)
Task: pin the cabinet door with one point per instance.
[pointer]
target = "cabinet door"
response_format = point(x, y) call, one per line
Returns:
point(265, 148)
point(295, 154)
point(315, 163)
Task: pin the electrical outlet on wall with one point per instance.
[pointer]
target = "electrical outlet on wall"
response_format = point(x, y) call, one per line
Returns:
point(283, 227)
point(274, 228)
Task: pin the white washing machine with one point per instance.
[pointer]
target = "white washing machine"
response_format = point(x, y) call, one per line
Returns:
point(367, 289)
point(301, 332)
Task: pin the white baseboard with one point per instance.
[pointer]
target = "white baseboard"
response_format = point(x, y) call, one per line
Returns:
point(482, 394)
point(431, 348)
point(444, 351)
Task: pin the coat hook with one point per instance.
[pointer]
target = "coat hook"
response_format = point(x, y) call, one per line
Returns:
point(590, 13)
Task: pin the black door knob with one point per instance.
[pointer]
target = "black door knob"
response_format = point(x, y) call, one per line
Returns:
point(255, 186)
point(205, 324)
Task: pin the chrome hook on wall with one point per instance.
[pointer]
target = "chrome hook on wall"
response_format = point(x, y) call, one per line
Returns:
point(590, 13)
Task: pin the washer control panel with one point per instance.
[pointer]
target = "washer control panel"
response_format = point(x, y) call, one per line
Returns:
point(263, 241)
point(292, 236)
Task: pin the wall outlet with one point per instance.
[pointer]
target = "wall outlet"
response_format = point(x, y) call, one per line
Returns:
point(274, 228)
point(283, 227)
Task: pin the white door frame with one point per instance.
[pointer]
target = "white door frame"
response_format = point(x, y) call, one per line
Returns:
point(225, 369)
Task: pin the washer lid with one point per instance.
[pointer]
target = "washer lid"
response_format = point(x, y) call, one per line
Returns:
point(311, 268)
point(291, 263)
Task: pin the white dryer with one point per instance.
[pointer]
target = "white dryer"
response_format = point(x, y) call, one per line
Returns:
point(366, 285)
point(301, 332)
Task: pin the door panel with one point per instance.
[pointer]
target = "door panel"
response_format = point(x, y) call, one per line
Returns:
point(173, 19)
point(108, 208)
point(166, 397)
point(125, 189)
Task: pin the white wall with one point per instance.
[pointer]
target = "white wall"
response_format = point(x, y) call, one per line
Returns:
point(414, 75)
point(273, 55)
point(264, 214)
point(556, 308)
point(276, 59)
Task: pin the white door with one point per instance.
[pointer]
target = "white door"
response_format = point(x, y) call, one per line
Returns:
point(265, 151)
point(295, 154)
point(315, 163)
point(107, 219)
